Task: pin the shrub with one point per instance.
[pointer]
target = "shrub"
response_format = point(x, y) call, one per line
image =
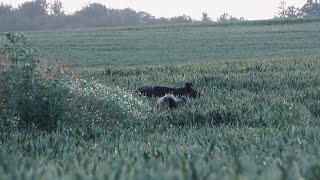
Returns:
point(33, 101)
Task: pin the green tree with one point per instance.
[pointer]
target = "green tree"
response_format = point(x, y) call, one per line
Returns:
point(93, 9)
point(33, 8)
point(288, 11)
point(181, 19)
point(311, 9)
point(5, 10)
point(146, 18)
point(206, 18)
point(129, 17)
point(57, 8)
point(227, 17)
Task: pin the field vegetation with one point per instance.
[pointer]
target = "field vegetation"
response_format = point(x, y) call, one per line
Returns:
point(257, 118)
point(181, 43)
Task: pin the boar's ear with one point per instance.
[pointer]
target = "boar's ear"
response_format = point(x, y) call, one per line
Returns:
point(188, 85)
point(193, 94)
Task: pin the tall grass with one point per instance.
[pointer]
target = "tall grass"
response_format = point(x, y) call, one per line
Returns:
point(254, 120)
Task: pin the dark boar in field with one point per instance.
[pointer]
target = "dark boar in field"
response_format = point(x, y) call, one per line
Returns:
point(156, 91)
point(187, 90)
point(160, 91)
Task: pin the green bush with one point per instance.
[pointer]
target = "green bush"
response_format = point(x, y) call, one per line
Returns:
point(32, 100)
point(40, 105)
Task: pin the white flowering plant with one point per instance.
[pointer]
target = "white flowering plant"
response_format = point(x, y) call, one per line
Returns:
point(93, 104)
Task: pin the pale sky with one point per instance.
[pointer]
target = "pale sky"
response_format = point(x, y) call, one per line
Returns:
point(249, 9)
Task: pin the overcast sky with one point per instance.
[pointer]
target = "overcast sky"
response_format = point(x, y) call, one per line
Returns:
point(249, 9)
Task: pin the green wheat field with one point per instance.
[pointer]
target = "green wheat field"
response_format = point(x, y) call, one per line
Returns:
point(258, 116)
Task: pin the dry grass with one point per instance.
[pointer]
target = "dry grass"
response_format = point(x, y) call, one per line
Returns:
point(50, 71)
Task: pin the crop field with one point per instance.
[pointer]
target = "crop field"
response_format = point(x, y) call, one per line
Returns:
point(258, 116)
point(179, 44)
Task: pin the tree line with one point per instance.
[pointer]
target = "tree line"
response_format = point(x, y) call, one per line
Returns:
point(40, 15)
point(309, 10)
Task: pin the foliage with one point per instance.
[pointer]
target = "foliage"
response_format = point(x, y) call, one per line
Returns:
point(31, 101)
point(227, 17)
point(94, 10)
point(206, 18)
point(33, 9)
point(57, 8)
point(40, 15)
point(309, 10)
point(5, 10)
point(181, 19)
point(288, 12)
